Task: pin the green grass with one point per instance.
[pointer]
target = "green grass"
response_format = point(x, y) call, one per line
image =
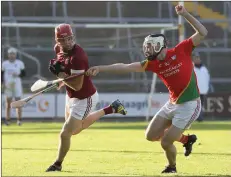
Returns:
point(108, 149)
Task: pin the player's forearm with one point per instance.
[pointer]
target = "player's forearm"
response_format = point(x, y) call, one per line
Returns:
point(118, 68)
point(75, 83)
point(196, 24)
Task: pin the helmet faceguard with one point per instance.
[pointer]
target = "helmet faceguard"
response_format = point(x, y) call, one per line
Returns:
point(64, 36)
point(153, 45)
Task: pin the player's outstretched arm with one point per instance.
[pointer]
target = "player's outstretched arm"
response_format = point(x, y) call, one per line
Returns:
point(201, 31)
point(116, 68)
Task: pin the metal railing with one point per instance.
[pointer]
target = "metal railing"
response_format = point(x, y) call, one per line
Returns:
point(132, 47)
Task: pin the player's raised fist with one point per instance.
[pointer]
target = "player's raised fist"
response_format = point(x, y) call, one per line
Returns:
point(180, 10)
point(93, 71)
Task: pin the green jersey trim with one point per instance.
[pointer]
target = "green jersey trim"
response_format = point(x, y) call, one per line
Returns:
point(144, 64)
point(190, 92)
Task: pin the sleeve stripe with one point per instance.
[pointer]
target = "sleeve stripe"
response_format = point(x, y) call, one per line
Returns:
point(76, 71)
point(144, 64)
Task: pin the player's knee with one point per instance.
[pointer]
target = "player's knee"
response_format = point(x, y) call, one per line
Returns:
point(150, 136)
point(165, 144)
point(65, 134)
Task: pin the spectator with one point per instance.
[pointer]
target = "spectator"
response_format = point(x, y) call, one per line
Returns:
point(203, 79)
point(13, 70)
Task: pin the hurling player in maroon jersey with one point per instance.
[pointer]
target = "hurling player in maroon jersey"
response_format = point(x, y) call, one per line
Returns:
point(81, 97)
point(175, 68)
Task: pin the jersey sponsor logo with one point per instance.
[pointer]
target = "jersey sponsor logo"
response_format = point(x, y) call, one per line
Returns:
point(166, 63)
point(171, 70)
point(173, 57)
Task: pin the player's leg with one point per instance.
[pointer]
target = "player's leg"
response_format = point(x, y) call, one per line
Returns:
point(19, 113)
point(67, 112)
point(184, 115)
point(77, 111)
point(156, 128)
point(160, 122)
point(71, 125)
point(7, 109)
point(172, 134)
point(190, 113)
point(18, 94)
point(114, 107)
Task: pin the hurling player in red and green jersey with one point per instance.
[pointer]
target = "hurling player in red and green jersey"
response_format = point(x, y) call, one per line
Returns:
point(175, 68)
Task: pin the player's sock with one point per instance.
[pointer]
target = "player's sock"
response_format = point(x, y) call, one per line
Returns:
point(108, 110)
point(188, 145)
point(115, 107)
point(183, 139)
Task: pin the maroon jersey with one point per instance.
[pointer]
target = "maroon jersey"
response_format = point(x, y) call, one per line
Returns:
point(76, 61)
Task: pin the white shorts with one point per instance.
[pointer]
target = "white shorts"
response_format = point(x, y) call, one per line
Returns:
point(13, 90)
point(80, 109)
point(182, 115)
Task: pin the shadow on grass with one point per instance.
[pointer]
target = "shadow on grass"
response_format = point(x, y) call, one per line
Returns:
point(57, 130)
point(112, 151)
point(117, 126)
point(210, 175)
point(30, 132)
point(197, 126)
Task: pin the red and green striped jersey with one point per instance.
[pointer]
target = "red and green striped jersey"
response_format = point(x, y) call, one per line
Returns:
point(177, 73)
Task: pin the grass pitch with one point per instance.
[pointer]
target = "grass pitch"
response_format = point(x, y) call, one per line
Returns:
point(112, 149)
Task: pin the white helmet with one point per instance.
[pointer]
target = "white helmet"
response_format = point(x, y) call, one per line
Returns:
point(157, 41)
point(12, 50)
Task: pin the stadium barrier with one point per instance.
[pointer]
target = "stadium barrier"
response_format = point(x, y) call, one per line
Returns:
point(216, 106)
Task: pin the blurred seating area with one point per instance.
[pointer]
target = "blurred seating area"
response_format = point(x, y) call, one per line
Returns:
point(107, 46)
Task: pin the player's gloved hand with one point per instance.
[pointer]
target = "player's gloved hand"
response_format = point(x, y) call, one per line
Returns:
point(62, 75)
point(56, 67)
